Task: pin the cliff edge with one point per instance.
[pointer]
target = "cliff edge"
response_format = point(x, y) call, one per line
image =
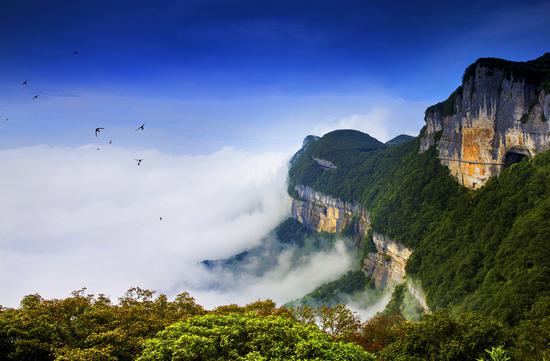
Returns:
point(498, 116)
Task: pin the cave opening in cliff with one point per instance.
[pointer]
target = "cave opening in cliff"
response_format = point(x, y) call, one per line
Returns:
point(514, 156)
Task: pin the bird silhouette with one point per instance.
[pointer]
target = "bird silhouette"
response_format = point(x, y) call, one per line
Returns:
point(110, 141)
point(76, 52)
point(160, 218)
point(138, 161)
point(98, 130)
point(35, 97)
point(141, 127)
point(26, 82)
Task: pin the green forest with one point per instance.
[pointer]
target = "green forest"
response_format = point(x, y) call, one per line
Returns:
point(484, 251)
point(145, 326)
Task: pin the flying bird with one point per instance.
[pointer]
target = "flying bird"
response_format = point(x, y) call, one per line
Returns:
point(110, 141)
point(35, 97)
point(160, 218)
point(141, 127)
point(76, 52)
point(138, 161)
point(26, 82)
point(98, 130)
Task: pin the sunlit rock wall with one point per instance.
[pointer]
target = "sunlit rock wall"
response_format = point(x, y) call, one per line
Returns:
point(491, 115)
point(323, 213)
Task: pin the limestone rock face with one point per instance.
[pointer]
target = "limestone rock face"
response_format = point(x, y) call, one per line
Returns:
point(323, 213)
point(499, 114)
point(387, 266)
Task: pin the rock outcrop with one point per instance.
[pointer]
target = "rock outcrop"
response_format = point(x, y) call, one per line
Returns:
point(498, 115)
point(323, 213)
point(386, 267)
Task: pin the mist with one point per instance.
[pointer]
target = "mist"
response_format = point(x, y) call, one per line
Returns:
point(82, 217)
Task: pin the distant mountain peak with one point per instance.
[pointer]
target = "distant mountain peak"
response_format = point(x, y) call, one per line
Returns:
point(400, 139)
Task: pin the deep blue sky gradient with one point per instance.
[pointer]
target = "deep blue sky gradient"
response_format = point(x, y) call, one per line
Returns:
point(249, 73)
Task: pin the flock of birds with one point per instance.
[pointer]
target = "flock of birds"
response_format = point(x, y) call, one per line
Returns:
point(98, 130)
point(140, 128)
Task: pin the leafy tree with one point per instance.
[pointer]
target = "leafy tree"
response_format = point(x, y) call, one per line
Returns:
point(88, 327)
point(440, 336)
point(247, 337)
point(497, 354)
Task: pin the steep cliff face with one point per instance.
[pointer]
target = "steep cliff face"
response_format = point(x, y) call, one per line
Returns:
point(323, 213)
point(386, 266)
point(497, 116)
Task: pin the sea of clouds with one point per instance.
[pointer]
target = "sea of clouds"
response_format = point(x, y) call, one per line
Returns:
point(82, 217)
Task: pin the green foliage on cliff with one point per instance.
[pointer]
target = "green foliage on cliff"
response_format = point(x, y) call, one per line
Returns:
point(335, 292)
point(400, 139)
point(346, 149)
point(491, 253)
point(401, 188)
point(448, 106)
point(484, 251)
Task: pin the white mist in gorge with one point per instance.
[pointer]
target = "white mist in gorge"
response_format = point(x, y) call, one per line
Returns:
point(82, 217)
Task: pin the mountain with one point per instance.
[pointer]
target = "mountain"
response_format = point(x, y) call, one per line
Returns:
point(412, 210)
point(400, 139)
point(459, 216)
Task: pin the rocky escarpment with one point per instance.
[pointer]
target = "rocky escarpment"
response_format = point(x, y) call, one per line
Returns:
point(386, 267)
point(320, 212)
point(323, 213)
point(498, 115)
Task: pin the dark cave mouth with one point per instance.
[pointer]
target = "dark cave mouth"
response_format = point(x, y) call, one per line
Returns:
point(515, 156)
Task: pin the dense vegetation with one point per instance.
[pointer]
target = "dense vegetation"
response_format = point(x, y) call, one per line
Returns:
point(247, 337)
point(335, 292)
point(484, 251)
point(88, 327)
point(401, 188)
point(141, 326)
point(400, 139)
point(493, 246)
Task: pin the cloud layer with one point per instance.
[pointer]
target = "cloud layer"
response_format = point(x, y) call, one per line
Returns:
point(75, 217)
point(383, 121)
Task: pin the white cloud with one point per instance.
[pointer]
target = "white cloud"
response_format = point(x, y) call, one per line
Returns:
point(383, 121)
point(79, 217)
point(373, 123)
point(75, 217)
point(285, 282)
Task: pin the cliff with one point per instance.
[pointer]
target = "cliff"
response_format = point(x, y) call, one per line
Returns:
point(323, 213)
point(386, 267)
point(495, 118)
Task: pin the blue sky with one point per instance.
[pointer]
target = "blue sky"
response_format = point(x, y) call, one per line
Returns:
point(250, 74)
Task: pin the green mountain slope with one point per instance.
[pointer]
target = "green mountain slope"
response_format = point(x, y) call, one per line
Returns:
point(485, 251)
